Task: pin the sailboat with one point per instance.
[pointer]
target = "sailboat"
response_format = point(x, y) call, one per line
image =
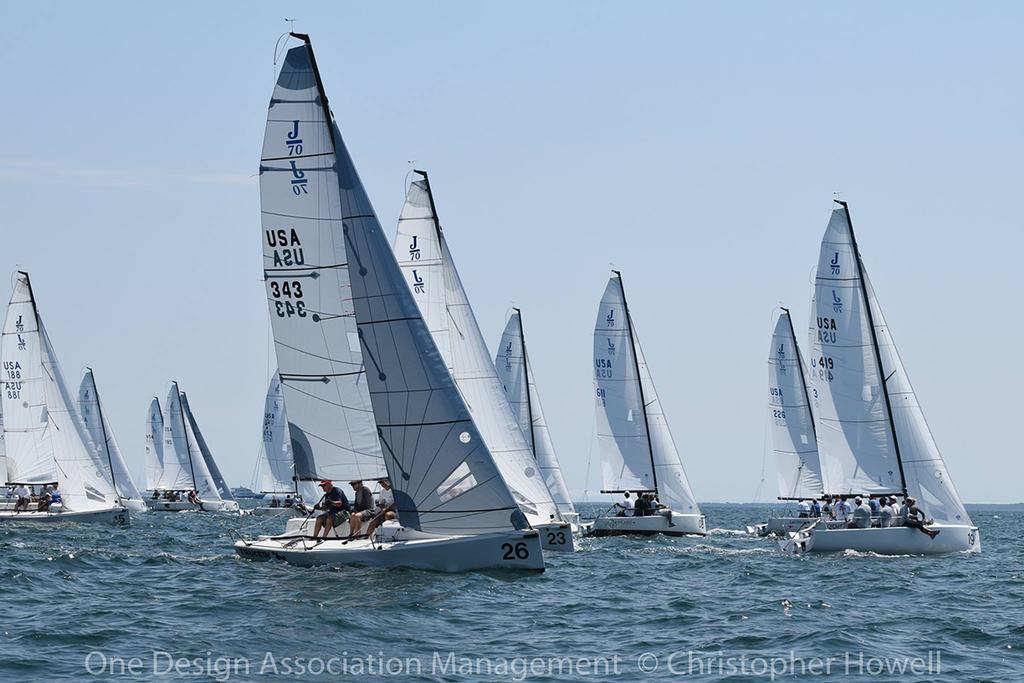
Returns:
point(182, 467)
point(275, 467)
point(638, 454)
point(102, 440)
point(516, 374)
point(328, 266)
point(223, 490)
point(794, 437)
point(422, 251)
point(873, 439)
point(45, 440)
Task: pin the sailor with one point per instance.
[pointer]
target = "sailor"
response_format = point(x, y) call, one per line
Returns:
point(861, 515)
point(44, 500)
point(917, 519)
point(625, 505)
point(885, 513)
point(899, 512)
point(55, 498)
point(288, 502)
point(803, 508)
point(654, 503)
point(815, 508)
point(22, 494)
point(642, 507)
point(193, 497)
point(335, 509)
point(385, 505)
point(362, 508)
point(875, 506)
point(841, 509)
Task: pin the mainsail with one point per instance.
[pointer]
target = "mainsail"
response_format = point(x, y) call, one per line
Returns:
point(516, 375)
point(223, 489)
point(45, 439)
point(184, 466)
point(872, 434)
point(444, 478)
point(422, 251)
point(102, 437)
point(305, 265)
point(154, 447)
point(274, 464)
point(635, 444)
point(789, 414)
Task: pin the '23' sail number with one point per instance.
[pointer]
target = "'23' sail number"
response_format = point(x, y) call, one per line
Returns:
point(284, 293)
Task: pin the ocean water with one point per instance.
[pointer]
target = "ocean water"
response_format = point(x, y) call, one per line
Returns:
point(167, 600)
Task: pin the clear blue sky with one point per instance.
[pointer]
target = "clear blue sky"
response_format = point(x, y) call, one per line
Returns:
point(695, 146)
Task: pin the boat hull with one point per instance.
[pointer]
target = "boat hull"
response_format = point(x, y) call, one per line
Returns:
point(557, 537)
point(275, 512)
point(677, 525)
point(952, 538)
point(185, 506)
point(118, 516)
point(520, 550)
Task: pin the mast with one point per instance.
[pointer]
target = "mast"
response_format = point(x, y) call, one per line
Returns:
point(874, 343)
point(184, 427)
point(526, 379)
point(433, 207)
point(639, 382)
point(103, 427)
point(328, 117)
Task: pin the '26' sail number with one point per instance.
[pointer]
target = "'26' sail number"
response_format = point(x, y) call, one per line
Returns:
point(517, 551)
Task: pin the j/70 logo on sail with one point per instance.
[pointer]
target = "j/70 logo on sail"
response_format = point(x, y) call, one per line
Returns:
point(834, 263)
point(293, 140)
point(610, 318)
point(414, 250)
point(837, 303)
point(417, 283)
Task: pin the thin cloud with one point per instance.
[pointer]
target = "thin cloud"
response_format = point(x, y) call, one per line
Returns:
point(28, 171)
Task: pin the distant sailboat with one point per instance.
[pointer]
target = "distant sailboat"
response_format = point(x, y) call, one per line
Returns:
point(638, 454)
point(422, 251)
point(794, 439)
point(455, 512)
point(182, 466)
point(223, 490)
point(274, 477)
point(872, 435)
point(516, 374)
point(46, 442)
point(102, 437)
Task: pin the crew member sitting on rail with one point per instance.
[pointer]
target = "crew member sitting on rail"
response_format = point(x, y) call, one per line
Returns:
point(335, 509)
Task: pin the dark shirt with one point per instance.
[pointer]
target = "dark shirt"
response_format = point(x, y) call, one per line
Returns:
point(364, 499)
point(642, 508)
point(332, 498)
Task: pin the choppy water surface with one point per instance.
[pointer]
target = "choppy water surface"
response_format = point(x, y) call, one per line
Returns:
point(171, 587)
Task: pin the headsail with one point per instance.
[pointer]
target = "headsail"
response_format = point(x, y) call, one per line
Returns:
point(635, 443)
point(184, 466)
point(274, 464)
point(154, 446)
point(422, 251)
point(98, 427)
point(516, 375)
point(307, 281)
point(789, 414)
point(856, 444)
point(444, 478)
point(223, 490)
point(46, 440)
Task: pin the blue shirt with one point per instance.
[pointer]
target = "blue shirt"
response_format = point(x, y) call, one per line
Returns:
point(55, 497)
point(335, 495)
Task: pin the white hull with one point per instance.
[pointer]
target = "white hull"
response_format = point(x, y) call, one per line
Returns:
point(952, 538)
point(276, 512)
point(185, 506)
point(677, 525)
point(399, 547)
point(779, 526)
point(118, 516)
point(557, 537)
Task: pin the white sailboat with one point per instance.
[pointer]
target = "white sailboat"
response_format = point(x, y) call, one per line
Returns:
point(794, 438)
point(872, 435)
point(275, 467)
point(455, 512)
point(223, 490)
point(422, 251)
point(516, 374)
point(46, 443)
point(102, 440)
point(638, 454)
point(182, 467)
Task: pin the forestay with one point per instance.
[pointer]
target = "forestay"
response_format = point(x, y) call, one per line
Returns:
point(102, 437)
point(789, 414)
point(223, 490)
point(154, 451)
point(444, 478)
point(426, 261)
point(516, 375)
point(274, 465)
point(46, 441)
point(307, 282)
point(855, 440)
point(927, 478)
